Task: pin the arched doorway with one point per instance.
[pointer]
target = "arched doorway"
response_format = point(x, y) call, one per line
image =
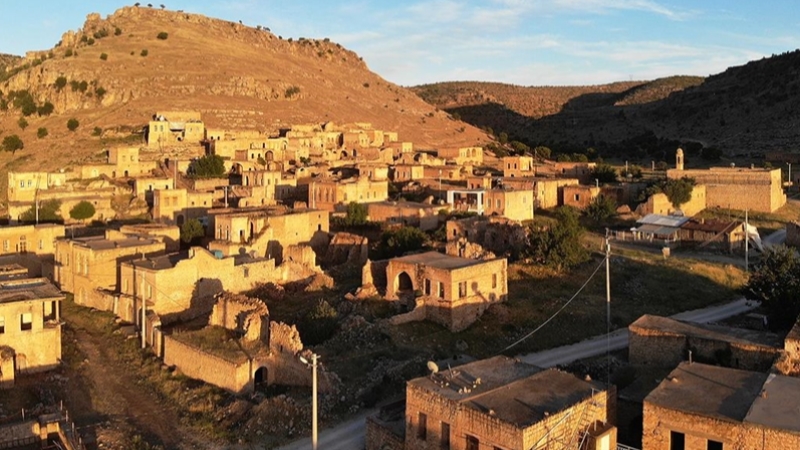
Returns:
point(404, 283)
point(261, 377)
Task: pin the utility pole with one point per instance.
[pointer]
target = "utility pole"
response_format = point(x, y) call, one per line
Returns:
point(608, 311)
point(313, 398)
point(746, 244)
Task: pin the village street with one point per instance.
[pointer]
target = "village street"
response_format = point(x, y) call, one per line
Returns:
point(350, 434)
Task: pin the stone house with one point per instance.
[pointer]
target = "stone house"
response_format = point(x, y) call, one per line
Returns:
point(451, 291)
point(504, 202)
point(334, 195)
point(170, 234)
point(663, 342)
point(171, 128)
point(518, 166)
point(121, 162)
point(481, 237)
point(708, 407)
point(447, 172)
point(176, 206)
point(754, 189)
point(424, 216)
point(37, 239)
point(266, 187)
point(713, 234)
point(30, 327)
point(25, 186)
point(407, 172)
point(266, 231)
point(501, 403)
point(240, 349)
point(462, 155)
point(87, 266)
point(579, 196)
point(184, 284)
point(144, 186)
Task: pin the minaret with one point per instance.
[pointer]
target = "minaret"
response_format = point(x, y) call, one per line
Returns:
point(679, 159)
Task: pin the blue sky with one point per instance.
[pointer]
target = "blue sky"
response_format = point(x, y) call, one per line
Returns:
point(526, 42)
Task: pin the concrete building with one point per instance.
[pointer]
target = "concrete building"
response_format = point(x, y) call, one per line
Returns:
point(176, 206)
point(451, 291)
point(579, 196)
point(662, 342)
point(121, 162)
point(501, 403)
point(169, 128)
point(504, 202)
point(407, 172)
point(754, 189)
point(30, 327)
point(518, 166)
point(462, 155)
point(707, 407)
point(37, 239)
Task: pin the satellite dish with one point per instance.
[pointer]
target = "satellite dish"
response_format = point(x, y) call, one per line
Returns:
point(433, 367)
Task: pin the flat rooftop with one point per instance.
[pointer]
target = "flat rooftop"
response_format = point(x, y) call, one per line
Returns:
point(666, 325)
point(709, 391)
point(515, 392)
point(438, 260)
point(102, 243)
point(161, 262)
point(23, 289)
point(779, 405)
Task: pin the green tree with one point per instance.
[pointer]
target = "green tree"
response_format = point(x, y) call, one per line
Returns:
point(22, 123)
point(41, 132)
point(61, 82)
point(503, 137)
point(520, 148)
point(12, 143)
point(356, 214)
point(542, 152)
point(104, 56)
point(144, 52)
point(163, 35)
point(73, 124)
point(97, 131)
point(601, 209)
point(82, 210)
point(261, 161)
point(45, 110)
point(678, 191)
point(319, 324)
point(559, 245)
point(100, 91)
point(117, 31)
point(775, 282)
point(402, 240)
point(209, 166)
point(191, 230)
point(605, 173)
point(48, 212)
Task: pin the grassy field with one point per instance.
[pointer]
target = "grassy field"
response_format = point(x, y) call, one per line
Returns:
point(640, 284)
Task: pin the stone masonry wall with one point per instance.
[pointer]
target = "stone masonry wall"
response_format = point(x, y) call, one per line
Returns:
point(378, 437)
point(200, 365)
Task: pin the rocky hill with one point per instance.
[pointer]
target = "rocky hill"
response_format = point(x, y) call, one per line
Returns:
point(746, 110)
point(115, 72)
point(6, 61)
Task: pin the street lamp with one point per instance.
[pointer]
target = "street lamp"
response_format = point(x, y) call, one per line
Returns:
point(790, 173)
point(313, 398)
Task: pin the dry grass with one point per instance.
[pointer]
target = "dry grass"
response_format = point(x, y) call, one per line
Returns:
point(765, 222)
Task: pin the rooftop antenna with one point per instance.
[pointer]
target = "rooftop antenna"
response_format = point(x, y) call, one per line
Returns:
point(433, 367)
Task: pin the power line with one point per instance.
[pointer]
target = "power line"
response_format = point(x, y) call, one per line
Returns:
point(560, 309)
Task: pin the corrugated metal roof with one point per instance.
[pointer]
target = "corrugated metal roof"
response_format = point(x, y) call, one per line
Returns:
point(667, 221)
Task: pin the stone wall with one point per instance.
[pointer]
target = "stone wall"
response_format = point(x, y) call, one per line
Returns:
point(660, 204)
point(380, 437)
point(738, 188)
point(239, 313)
point(346, 248)
point(698, 430)
point(666, 350)
point(196, 363)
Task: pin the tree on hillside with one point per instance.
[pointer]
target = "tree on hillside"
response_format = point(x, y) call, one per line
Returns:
point(542, 152)
point(559, 245)
point(22, 123)
point(73, 124)
point(775, 282)
point(12, 143)
point(41, 132)
point(191, 230)
point(82, 210)
point(45, 110)
point(209, 166)
point(61, 82)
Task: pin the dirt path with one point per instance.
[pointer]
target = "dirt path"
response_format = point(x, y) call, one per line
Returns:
point(111, 406)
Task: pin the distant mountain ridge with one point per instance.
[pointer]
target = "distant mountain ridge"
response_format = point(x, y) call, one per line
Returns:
point(746, 110)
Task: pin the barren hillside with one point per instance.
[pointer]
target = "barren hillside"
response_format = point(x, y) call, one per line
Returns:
point(121, 69)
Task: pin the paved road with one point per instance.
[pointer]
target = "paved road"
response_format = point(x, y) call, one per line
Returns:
point(346, 436)
point(776, 238)
point(619, 338)
point(350, 435)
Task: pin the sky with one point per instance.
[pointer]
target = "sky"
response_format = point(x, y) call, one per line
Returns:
point(523, 42)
